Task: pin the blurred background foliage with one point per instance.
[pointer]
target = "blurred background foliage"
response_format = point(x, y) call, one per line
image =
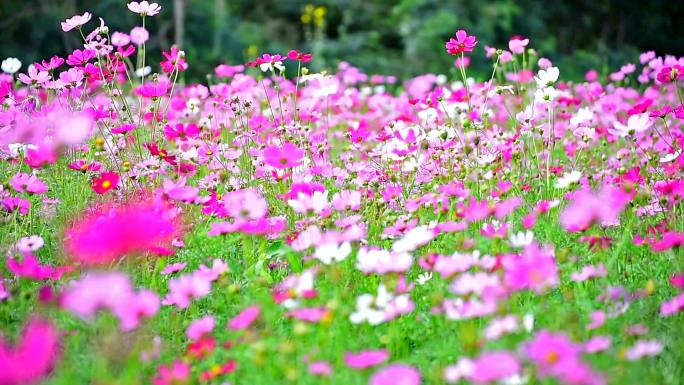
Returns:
point(397, 37)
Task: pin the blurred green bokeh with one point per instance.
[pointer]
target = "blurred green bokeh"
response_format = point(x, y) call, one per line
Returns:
point(400, 37)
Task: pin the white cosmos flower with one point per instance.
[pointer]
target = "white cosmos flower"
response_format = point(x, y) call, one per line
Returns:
point(635, 123)
point(11, 65)
point(142, 72)
point(545, 95)
point(547, 77)
point(568, 178)
point(521, 239)
point(670, 157)
point(424, 278)
point(329, 252)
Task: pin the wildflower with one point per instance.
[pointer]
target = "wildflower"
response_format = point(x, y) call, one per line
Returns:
point(494, 366)
point(536, 269)
point(635, 124)
point(177, 373)
point(644, 348)
point(105, 182)
point(568, 178)
point(500, 326)
point(173, 268)
point(366, 359)
point(245, 319)
point(396, 374)
point(10, 65)
point(144, 8)
point(227, 71)
point(521, 239)
point(298, 56)
point(517, 45)
point(31, 268)
point(328, 252)
point(175, 61)
point(320, 368)
point(380, 261)
point(139, 35)
point(76, 22)
point(30, 244)
point(114, 231)
point(413, 239)
point(462, 43)
point(587, 208)
point(32, 357)
point(556, 356)
point(287, 156)
point(670, 74)
point(31, 184)
point(34, 77)
point(546, 78)
point(200, 327)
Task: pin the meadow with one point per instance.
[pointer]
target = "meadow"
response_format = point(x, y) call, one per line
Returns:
point(275, 225)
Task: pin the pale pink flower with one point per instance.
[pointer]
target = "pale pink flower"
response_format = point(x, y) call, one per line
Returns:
point(245, 318)
point(365, 359)
point(396, 374)
point(144, 8)
point(76, 22)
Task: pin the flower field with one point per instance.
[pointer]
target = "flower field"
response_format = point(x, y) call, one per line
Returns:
point(279, 225)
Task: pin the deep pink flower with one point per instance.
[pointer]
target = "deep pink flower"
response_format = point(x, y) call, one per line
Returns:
point(298, 56)
point(105, 182)
point(587, 208)
point(227, 71)
point(462, 43)
point(30, 267)
point(32, 357)
point(175, 61)
point(115, 231)
point(670, 74)
point(396, 374)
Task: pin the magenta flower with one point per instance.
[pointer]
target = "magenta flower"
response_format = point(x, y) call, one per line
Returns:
point(32, 357)
point(116, 231)
point(396, 374)
point(245, 318)
point(462, 43)
point(144, 8)
point(175, 61)
point(287, 156)
point(76, 22)
point(366, 359)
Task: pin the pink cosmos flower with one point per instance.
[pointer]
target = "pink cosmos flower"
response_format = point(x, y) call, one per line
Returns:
point(32, 357)
point(105, 182)
point(494, 366)
point(462, 43)
point(286, 156)
point(245, 318)
point(175, 61)
point(366, 359)
point(320, 368)
point(396, 374)
point(200, 327)
point(153, 90)
point(112, 291)
point(644, 348)
point(587, 208)
point(173, 268)
point(30, 267)
point(24, 182)
point(517, 45)
point(10, 204)
point(174, 374)
point(115, 231)
point(227, 71)
point(34, 76)
point(535, 270)
point(139, 35)
point(144, 8)
point(30, 244)
point(556, 356)
point(76, 22)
